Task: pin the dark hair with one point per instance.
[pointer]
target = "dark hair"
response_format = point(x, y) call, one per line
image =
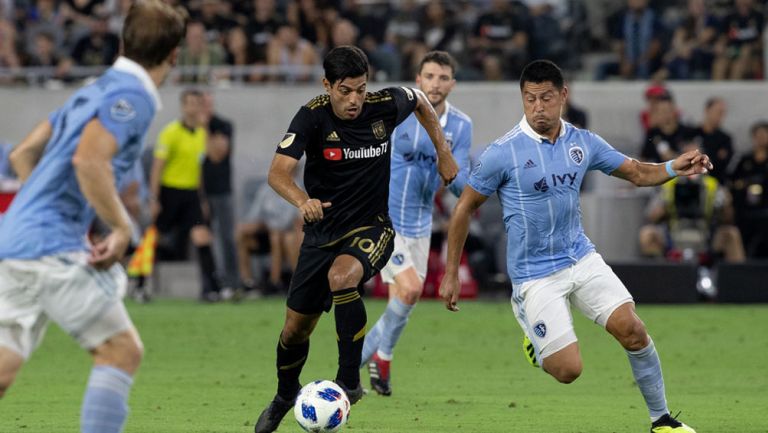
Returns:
point(190, 92)
point(441, 58)
point(541, 71)
point(151, 31)
point(345, 61)
point(760, 124)
point(712, 101)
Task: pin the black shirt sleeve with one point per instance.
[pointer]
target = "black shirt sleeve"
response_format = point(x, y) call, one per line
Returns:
point(299, 134)
point(405, 102)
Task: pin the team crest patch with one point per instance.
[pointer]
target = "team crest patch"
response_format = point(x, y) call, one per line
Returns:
point(398, 259)
point(122, 111)
point(379, 130)
point(540, 329)
point(287, 140)
point(576, 154)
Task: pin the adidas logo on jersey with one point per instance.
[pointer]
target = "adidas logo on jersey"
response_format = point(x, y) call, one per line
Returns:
point(332, 137)
point(529, 164)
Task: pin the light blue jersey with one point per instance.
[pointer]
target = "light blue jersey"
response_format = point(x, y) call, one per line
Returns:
point(415, 180)
point(538, 185)
point(50, 215)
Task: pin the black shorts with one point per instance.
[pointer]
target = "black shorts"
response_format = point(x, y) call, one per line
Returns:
point(310, 292)
point(180, 210)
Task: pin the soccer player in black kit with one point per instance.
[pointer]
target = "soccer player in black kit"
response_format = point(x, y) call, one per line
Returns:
point(345, 135)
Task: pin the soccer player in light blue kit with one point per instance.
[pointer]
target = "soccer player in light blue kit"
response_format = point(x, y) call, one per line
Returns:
point(69, 165)
point(412, 189)
point(537, 169)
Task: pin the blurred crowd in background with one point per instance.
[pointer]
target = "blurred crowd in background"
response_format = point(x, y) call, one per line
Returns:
point(722, 216)
point(285, 40)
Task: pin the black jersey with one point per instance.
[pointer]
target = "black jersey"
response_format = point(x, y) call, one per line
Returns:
point(347, 160)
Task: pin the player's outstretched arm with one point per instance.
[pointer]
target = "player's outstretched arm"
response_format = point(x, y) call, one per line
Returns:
point(93, 167)
point(426, 115)
point(26, 154)
point(281, 179)
point(650, 174)
point(450, 287)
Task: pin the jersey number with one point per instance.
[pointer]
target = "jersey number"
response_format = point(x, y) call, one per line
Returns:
point(366, 245)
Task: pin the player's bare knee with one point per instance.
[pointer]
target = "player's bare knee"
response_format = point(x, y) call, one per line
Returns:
point(565, 372)
point(634, 336)
point(341, 278)
point(124, 351)
point(411, 294)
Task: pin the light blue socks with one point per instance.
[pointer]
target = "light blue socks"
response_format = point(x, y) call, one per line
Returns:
point(105, 404)
point(646, 368)
point(387, 330)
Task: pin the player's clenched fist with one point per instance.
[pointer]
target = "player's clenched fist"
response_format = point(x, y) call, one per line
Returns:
point(312, 210)
point(450, 288)
point(447, 167)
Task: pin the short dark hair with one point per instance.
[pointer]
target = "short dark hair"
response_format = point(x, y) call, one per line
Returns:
point(190, 92)
point(151, 31)
point(760, 124)
point(441, 58)
point(541, 71)
point(345, 61)
point(712, 101)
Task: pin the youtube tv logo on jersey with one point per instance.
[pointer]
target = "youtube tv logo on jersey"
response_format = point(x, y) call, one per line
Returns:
point(332, 153)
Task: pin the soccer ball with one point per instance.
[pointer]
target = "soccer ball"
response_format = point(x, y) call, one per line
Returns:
point(322, 406)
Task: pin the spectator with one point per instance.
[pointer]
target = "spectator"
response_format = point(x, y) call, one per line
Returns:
point(306, 16)
point(44, 55)
point(197, 56)
point(739, 47)
point(653, 94)
point(691, 55)
point(692, 215)
point(403, 31)
point(175, 190)
point(636, 34)
point(281, 219)
point(666, 139)
point(8, 56)
point(241, 52)
point(216, 23)
point(547, 37)
point(217, 183)
point(262, 27)
point(439, 30)
point(99, 47)
point(749, 183)
point(712, 140)
point(293, 55)
point(44, 16)
point(500, 40)
point(6, 171)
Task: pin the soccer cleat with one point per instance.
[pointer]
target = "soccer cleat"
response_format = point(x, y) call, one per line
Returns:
point(354, 395)
point(270, 418)
point(529, 351)
point(378, 370)
point(668, 424)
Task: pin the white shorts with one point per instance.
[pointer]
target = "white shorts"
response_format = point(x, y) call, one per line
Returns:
point(82, 300)
point(542, 307)
point(408, 252)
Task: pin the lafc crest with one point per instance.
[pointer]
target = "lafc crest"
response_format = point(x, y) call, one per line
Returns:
point(379, 130)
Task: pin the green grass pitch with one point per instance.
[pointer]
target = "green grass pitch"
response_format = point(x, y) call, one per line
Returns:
point(210, 368)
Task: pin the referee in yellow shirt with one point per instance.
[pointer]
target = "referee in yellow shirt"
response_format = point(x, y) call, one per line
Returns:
point(175, 183)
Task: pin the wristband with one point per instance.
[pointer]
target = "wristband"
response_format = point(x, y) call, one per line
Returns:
point(670, 171)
